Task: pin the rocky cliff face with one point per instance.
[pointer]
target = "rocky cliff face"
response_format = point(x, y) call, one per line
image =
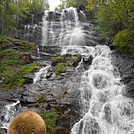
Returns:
point(66, 32)
point(125, 65)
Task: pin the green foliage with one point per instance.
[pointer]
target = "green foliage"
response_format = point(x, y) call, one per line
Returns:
point(76, 58)
point(14, 63)
point(72, 3)
point(8, 54)
point(60, 68)
point(64, 60)
point(104, 20)
point(38, 6)
point(116, 20)
point(12, 11)
point(56, 60)
point(124, 41)
point(122, 38)
point(19, 45)
point(50, 121)
point(14, 77)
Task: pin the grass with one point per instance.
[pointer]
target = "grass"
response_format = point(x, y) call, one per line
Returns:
point(14, 77)
point(60, 62)
point(22, 46)
point(60, 68)
point(15, 61)
point(50, 121)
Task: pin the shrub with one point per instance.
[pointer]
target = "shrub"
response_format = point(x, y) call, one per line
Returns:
point(15, 61)
point(13, 77)
point(122, 39)
point(50, 120)
point(76, 58)
point(60, 68)
point(56, 60)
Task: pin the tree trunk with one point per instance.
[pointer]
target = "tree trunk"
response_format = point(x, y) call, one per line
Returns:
point(2, 22)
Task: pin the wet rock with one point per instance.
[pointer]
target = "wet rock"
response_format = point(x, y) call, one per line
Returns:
point(3, 131)
point(75, 63)
point(28, 79)
point(61, 130)
point(49, 74)
point(87, 61)
point(91, 126)
point(1, 81)
point(124, 64)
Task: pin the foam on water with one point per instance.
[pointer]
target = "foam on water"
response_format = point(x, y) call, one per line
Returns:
point(8, 113)
point(42, 71)
point(104, 108)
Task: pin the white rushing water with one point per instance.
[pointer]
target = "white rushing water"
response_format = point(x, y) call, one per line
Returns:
point(104, 108)
point(45, 29)
point(8, 113)
point(65, 32)
point(42, 71)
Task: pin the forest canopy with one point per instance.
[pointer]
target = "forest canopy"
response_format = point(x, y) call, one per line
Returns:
point(12, 11)
point(115, 18)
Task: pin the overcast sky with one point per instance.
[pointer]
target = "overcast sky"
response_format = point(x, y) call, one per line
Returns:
point(53, 4)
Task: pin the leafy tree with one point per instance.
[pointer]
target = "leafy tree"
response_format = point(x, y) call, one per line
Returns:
point(116, 20)
point(12, 11)
point(6, 18)
point(73, 3)
point(38, 6)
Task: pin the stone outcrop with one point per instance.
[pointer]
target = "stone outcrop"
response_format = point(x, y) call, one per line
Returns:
point(125, 65)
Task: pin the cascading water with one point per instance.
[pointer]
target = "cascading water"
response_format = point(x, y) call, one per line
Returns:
point(104, 109)
point(65, 32)
point(8, 113)
point(45, 29)
point(42, 71)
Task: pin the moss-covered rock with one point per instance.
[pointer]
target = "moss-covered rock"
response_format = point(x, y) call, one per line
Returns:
point(50, 121)
point(60, 68)
point(61, 62)
point(15, 61)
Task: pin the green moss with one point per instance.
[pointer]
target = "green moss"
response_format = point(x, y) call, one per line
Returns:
point(23, 46)
point(76, 58)
point(56, 60)
point(27, 69)
point(60, 68)
point(8, 54)
point(50, 121)
point(15, 61)
point(64, 60)
point(3, 39)
point(14, 77)
point(66, 56)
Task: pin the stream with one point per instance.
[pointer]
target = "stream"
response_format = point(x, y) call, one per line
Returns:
point(102, 106)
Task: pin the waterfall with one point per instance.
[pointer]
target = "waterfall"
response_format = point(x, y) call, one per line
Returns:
point(42, 71)
point(8, 113)
point(61, 29)
point(104, 109)
point(32, 18)
point(45, 29)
